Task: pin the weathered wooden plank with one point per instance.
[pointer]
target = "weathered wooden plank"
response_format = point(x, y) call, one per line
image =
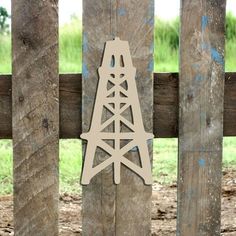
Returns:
point(98, 209)
point(35, 119)
point(165, 105)
point(105, 210)
point(70, 106)
point(201, 94)
point(133, 198)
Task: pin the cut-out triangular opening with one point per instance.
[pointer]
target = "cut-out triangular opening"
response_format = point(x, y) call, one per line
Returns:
point(128, 114)
point(137, 159)
point(110, 128)
point(122, 95)
point(110, 85)
point(122, 75)
point(106, 114)
point(110, 142)
point(124, 85)
point(111, 95)
point(122, 104)
point(109, 107)
point(100, 156)
point(112, 104)
point(124, 142)
point(125, 128)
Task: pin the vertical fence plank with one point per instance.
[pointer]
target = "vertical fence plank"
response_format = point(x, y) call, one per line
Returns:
point(135, 23)
point(123, 209)
point(201, 93)
point(98, 209)
point(35, 90)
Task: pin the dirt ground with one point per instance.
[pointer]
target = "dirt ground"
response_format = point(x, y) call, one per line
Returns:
point(163, 211)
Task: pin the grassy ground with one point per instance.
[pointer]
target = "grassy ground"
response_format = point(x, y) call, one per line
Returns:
point(164, 164)
point(165, 150)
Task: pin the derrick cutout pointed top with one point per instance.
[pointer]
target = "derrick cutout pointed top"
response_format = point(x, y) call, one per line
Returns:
point(117, 125)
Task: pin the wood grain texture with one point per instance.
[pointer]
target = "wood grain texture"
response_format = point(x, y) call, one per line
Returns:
point(165, 105)
point(98, 208)
point(125, 209)
point(201, 97)
point(135, 23)
point(35, 119)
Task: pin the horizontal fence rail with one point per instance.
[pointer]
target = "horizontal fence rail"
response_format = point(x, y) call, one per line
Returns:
point(165, 105)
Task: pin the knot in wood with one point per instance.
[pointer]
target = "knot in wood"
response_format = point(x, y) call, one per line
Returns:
point(21, 98)
point(208, 121)
point(190, 97)
point(45, 123)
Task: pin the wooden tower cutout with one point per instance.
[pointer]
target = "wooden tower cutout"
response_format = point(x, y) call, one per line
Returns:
point(117, 134)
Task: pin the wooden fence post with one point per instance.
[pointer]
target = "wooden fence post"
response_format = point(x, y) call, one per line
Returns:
point(201, 95)
point(124, 209)
point(35, 108)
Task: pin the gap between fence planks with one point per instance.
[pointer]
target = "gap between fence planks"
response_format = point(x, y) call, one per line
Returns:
point(165, 105)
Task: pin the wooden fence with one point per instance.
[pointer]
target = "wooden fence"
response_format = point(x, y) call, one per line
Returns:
point(37, 107)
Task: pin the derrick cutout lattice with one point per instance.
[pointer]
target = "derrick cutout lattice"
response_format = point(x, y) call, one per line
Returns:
point(117, 125)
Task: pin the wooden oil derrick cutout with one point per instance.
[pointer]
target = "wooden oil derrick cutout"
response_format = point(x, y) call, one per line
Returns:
point(122, 128)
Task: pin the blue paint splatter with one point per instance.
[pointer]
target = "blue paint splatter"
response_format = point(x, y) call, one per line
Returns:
point(121, 11)
point(149, 21)
point(152, 47)
point(85, 71)
point(204, 22)
point(85, 43)
point(199, 78)
point(216, 56)
point(201, 162)
point(196, 66)
point(205, 46)
point(150, 65)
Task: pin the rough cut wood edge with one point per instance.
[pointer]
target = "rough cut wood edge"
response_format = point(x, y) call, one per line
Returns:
point(35, 117)
point(165, 105)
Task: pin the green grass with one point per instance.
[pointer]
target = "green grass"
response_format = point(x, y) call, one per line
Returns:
point(5, 166)
point(165, 153)
point(166, 59)
point(70, 50)
point(166, 47)
point(70, 165)
point(164, 162)
point(5, 54)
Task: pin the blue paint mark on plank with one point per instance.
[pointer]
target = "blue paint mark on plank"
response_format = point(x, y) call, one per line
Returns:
point(85, 43)
point(199, 78)
point(151, 65)
point(201, 162)
point(216, 56)
point(205, 21)
point(121, 11)
point(205, 46)
point(152, 47)
point(196, 66)
point(149, 21)
point(85, 72)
